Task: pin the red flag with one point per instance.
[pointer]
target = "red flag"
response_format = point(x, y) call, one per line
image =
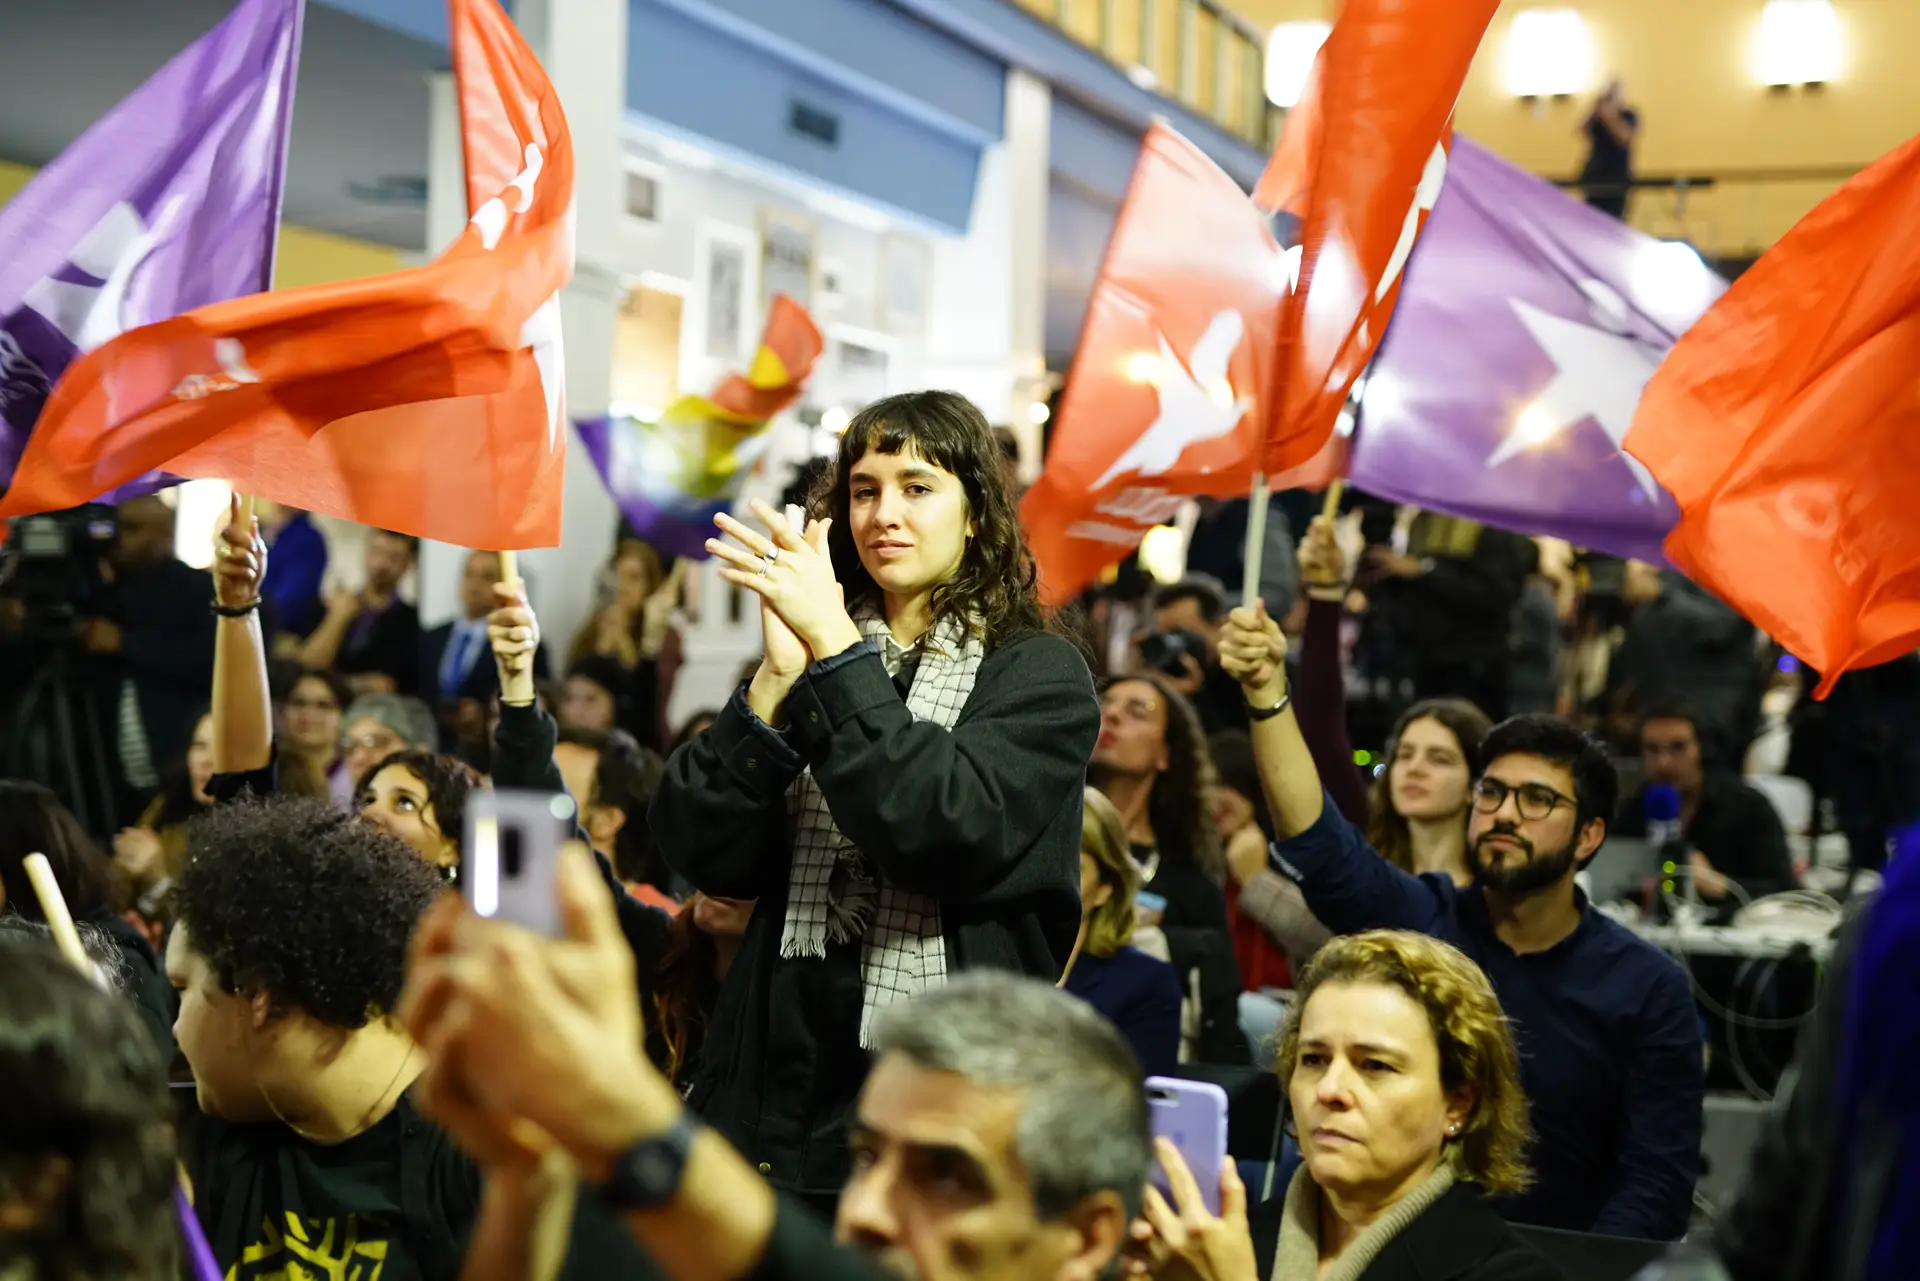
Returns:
point(1164, 397)
point(1361, 163)
point(1786, 425)
point(426, 401)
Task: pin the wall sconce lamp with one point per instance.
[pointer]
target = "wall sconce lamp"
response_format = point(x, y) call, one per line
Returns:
point(1291, 49)
point(1796, 43)
point(1549, 54)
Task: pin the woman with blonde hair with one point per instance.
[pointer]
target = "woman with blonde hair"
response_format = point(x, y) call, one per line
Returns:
point(1403, 1085)
point(1139, 994)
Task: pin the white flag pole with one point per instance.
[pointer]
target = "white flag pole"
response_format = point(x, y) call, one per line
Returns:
point(1257, 498)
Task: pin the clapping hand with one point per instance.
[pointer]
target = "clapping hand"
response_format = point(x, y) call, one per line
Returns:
point(793, 576)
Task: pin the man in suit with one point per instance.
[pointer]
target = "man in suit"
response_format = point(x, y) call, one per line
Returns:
point(1001, 1136)
point(456, 666)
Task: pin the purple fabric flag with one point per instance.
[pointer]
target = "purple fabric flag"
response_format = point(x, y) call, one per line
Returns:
point(170, 201)
point(1527, 328)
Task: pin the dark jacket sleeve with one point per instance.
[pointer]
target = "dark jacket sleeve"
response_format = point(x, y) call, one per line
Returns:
point(719, 815)
point(1659, 1155)
point(523, 758)
point(950, 813)
point(1350, 887)
point(802, 1248)
point(1320, 705)
point(1764, 866)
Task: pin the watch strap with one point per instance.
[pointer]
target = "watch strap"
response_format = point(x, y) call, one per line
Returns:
point(647, 1175)
point(1268, 713)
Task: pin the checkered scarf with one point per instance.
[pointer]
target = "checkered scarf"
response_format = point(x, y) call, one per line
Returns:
point(836, 894)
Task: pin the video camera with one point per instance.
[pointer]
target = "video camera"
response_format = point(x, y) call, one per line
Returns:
point(54, 564)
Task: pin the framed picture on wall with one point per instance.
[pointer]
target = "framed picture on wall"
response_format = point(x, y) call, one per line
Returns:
point(861, 366)
point(787, 256)
point(726, 298)
point(906, 282)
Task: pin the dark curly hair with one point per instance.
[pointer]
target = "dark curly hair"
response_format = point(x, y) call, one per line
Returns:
point(682, 995)
point(81, 1083)
point(448, 779)
point(300, 900)
point(997, 581)
point(1177, 806)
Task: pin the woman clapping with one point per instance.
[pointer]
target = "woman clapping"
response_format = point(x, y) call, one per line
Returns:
point(899, 784)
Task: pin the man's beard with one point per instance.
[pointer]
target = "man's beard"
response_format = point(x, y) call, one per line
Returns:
point(1517, 877)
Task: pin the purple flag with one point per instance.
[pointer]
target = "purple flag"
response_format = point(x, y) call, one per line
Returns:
point(170, 201)
point(1528, 325)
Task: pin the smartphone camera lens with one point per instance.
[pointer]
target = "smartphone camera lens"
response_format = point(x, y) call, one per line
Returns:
point(511, 856)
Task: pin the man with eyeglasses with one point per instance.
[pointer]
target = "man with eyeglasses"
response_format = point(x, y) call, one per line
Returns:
point(1610, 1045)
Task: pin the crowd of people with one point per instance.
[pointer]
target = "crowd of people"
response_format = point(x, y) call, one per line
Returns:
point(863, 972)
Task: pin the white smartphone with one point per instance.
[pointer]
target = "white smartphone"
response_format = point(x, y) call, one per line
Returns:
point(512, 854)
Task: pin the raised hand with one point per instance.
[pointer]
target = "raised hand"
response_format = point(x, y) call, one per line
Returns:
point(1254, 652)
point(793, 574)
point(514, 633)
point(240, 561)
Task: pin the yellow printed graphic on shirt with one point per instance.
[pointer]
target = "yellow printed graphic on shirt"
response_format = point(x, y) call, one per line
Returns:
point(344, 1249)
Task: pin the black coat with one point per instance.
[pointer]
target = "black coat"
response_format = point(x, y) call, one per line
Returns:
point(985, 818)
point(1457, 1238)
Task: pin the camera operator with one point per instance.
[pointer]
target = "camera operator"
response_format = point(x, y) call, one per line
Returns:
point(1187, 618)
point(131, 640)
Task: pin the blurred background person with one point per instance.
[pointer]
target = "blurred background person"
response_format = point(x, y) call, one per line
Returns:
point(33, 821)
point(1151, 762)
point(86, 1137)
point(635, 629)
point(1139, 994)
point(1611, 129)
point(147, 855)
point(372, 636)
point(686, 983)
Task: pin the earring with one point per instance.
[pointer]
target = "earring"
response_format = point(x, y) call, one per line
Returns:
point(1454, 1128)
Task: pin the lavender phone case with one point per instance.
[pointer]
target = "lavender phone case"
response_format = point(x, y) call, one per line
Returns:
point(1193, 1116)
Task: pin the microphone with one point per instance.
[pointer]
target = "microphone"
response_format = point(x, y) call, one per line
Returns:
point(1660, 804)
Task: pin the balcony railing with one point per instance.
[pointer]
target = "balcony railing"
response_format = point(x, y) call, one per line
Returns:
point(1195, 52)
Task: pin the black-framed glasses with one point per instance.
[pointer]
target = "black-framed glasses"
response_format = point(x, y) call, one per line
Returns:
point(1534, 800)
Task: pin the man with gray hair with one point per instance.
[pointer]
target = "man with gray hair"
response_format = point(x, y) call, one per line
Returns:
point(1002, 1134)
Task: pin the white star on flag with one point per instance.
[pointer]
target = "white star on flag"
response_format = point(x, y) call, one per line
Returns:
point(1598, 375)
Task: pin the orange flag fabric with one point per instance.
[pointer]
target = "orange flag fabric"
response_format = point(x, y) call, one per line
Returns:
point(1360, 164)
point(428, 401)
point(1164, 397)
point(1786, 425)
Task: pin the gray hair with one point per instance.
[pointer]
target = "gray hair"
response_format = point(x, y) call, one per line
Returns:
point(408, 717)
point(114, 973)
point(1083, 1121)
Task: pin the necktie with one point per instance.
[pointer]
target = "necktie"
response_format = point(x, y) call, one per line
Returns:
point(459, 658)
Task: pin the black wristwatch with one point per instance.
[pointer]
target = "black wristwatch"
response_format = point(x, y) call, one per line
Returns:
point(647, 1175)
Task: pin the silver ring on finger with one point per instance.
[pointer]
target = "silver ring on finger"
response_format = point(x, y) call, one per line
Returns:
point(773, 554)
point(766, 566)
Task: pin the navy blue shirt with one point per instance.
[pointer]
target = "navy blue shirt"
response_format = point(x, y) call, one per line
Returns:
point(1611, 1053)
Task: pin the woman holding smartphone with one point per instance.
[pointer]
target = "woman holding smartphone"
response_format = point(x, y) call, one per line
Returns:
point(899, 784)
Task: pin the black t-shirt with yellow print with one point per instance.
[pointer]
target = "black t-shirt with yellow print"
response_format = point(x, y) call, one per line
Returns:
point(394, 1203)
